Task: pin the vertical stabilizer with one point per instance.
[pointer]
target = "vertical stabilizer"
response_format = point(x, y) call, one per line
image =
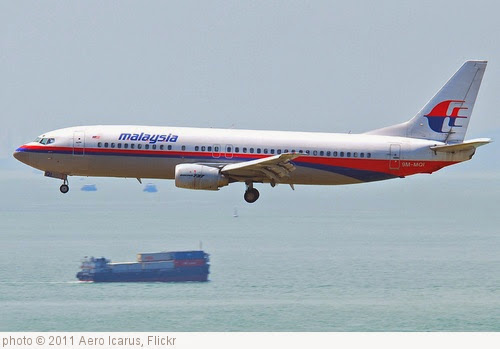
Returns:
point(446, 116)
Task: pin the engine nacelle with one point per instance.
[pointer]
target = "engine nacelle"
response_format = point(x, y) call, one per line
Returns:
point(193, 176)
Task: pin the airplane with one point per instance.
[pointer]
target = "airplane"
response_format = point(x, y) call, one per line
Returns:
point(208, 159)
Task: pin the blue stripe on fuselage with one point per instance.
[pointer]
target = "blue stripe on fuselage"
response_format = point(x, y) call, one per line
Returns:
point(361, 175)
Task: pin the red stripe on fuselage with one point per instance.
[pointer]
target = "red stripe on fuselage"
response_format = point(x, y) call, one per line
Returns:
point(405, 167)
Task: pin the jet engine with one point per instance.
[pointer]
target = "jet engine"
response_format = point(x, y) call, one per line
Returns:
point(193, 176)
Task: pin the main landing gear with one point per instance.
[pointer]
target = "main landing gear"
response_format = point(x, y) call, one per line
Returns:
point(64, 188)
point(251, 194)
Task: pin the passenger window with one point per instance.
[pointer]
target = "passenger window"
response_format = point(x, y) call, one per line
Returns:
point(228, 149)
point(203, 148)
point(361, 155)
point(348, 154)
point(244, 150)
point(265, 151)
point(169, 147)
point(99, 145)
point(285, 151)
point(341, 154)
point(293, 151)
point(112, 145)
point(315, 152)
point(209, 148)
point(125, 145)
point(355, 154)
point(161, 147)
point(132, 146)
point(119, 145)
point(279, 151)
point(236, 149)
point(139, 146)
point(216, 148)
point(196, 148)
point(368, 155)
point(146, 146)
point(335, 153)
point(301, 151)
point(258, 150)
point(321, 153)
point(308, 152)
point(272, 151)
point(153, 146)
point(328, 153)
point(251, 150)
point(183, 148)
point(105, 144)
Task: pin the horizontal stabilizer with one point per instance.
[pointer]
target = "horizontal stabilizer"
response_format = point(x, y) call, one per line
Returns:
point(468, 145)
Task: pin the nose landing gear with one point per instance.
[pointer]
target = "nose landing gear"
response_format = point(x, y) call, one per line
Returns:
point(64, 188)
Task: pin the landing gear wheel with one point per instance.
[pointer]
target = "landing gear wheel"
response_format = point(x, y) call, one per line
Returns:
point(64, 188)
point(251, 195)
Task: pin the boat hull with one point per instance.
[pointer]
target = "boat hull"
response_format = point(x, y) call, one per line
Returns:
point(175, 275)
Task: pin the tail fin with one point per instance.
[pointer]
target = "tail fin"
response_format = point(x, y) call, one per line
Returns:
point(446, 116)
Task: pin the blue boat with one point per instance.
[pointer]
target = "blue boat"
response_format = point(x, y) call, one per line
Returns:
point(149, 267)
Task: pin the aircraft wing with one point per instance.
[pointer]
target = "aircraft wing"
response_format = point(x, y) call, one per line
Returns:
point(274, 168)
point(467, 145)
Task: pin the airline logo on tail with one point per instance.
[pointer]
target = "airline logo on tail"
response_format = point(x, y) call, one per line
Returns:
point(439, 113)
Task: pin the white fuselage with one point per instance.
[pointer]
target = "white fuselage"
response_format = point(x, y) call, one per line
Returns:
point(208, 159)
point(154, 152)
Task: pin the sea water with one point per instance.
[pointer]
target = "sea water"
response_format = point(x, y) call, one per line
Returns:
point(360, 258)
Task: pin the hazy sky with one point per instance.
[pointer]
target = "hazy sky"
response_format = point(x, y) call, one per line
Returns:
point(313, 65)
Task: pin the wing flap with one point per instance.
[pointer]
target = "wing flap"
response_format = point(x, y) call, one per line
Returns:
point(274, 168)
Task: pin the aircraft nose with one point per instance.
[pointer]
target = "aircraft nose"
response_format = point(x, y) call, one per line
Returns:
point(21, 155)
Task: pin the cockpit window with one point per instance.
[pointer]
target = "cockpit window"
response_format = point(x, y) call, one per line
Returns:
point(45, 141)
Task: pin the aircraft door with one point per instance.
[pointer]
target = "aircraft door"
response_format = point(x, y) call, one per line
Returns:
point(79, 143)
point(394, 156)
point(216, 150)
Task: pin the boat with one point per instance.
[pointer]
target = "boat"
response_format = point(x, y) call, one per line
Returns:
point(150, 188)
point(89, 187)
point(149, 267)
